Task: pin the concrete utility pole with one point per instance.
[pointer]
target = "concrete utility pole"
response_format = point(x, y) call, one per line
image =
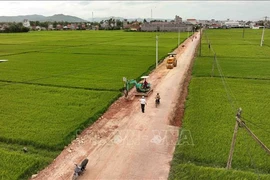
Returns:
point(92, 17)
point(262, 39)
point(240, 123)
point(229, 162)
point(200, 40)
point(243, 35)
point(156, 50)
point(253, 135)
point(178, 36)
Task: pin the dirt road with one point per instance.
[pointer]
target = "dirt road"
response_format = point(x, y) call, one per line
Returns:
point(126, 143)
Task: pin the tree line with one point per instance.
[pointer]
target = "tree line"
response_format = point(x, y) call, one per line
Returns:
point(15, 28)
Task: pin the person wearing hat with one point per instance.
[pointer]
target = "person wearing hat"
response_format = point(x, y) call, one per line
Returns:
point(143, 103)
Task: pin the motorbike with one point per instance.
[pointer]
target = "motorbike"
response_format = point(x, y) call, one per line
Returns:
point(79, 169)
point(157, 102)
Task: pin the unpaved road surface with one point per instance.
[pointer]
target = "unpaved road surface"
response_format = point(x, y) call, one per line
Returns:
point(126, 143)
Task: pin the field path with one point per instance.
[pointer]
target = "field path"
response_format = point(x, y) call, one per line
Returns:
point(126, 143)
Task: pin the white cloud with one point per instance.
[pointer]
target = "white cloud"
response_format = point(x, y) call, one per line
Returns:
point(140, 9)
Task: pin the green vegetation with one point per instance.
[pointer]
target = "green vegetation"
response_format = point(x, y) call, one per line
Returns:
point(191, 171)
point(15, 28)
point(13, 165)
point(57, 83)
point(241, 78)
point(82, 59)
point(39, 113)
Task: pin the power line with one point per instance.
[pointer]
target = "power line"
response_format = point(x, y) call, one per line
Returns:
point(259, 127)
point(243, 124)
point(230, 95)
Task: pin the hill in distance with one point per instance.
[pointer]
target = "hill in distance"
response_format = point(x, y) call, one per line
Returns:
point(98, 19)
point(62, 17)
point(41, 18)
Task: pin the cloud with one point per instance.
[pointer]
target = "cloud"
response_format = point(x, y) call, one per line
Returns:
point(84, 3)
point(220, 10)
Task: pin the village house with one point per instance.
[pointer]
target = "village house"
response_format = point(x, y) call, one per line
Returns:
point(192, 21)
point(134, 26)
point(105, 24)
point(59, 27)
point(176, 25)
point(26, 23)
point(50, 27)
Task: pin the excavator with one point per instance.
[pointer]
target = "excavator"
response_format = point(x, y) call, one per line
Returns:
point(143, 88)
point(172, 61)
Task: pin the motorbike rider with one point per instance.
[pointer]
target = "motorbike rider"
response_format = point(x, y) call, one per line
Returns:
point(158, 98)
point(79, 169)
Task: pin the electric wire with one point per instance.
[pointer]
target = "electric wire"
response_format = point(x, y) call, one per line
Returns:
point(230, 95)
point(259, 127)
point(233, 102)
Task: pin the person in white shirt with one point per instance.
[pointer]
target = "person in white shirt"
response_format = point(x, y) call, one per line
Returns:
point(143, 103)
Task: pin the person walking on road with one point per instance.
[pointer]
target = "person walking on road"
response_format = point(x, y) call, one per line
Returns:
point(143, 103)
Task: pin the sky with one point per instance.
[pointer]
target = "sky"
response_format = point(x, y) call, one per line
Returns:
point(201, 10)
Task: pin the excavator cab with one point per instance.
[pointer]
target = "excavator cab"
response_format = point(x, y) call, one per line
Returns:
point(145, 85)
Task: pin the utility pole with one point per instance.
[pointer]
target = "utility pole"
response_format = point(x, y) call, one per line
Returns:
point(92, 17)
point(200, 40)
point(253, 135)
point(240, 123)
point(156, 50)
point(229, 162)
point(178, 36)
point(262, 39)
point(243, 35)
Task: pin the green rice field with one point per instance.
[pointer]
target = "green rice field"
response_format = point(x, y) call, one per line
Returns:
point(239, 77)
point(57, 83)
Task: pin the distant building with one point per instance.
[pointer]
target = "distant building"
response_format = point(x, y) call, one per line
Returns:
point(73, 26)
point(95, 27)
point(37, 28)
point(232, 24)
point(59, 27)
point(215, 26)
point(105, 24)
point(255, 26)
point(204, 22)
point(133, 26)
point(192, 21)
point(2, 28)
point(178, 20)
point(26, 23)
point(176, 25)
point(125, 24)
point(50, 27)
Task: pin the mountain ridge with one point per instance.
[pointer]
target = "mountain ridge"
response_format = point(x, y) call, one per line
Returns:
point(41, 18)
point(68, 18)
